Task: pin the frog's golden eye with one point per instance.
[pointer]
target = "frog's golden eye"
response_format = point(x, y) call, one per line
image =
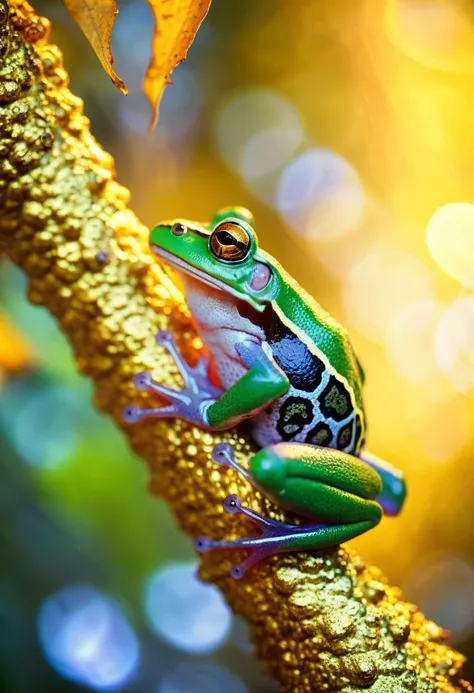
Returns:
point(230, 242)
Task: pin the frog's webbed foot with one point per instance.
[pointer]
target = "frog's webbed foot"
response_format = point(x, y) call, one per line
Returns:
point(275, 537)
point(190, 403)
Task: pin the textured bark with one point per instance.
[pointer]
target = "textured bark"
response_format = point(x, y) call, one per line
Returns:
point(322, 622)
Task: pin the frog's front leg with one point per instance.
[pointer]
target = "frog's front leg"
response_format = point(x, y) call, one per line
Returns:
point(206, 405)
point(332, 489)
point(190, 402)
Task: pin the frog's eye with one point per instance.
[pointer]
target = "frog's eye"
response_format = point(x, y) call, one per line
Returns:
point(230, 242)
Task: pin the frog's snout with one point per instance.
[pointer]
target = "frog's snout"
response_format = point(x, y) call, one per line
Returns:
point(268, 470)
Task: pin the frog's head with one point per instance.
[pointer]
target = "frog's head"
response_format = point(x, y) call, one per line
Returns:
point(224, 255)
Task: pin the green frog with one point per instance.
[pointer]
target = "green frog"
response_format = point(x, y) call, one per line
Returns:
point(278, 360)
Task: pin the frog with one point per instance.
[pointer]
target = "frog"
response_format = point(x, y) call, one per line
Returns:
point(276, 362)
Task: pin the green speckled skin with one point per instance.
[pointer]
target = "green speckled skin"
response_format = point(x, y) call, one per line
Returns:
point(330, 337)
point(318, 483)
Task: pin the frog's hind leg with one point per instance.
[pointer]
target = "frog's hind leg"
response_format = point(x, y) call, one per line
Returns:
point(183, 402)
point(276, 537)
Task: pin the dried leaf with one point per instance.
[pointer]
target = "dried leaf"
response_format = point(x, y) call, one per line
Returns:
point(176, 24)
point(96, 19)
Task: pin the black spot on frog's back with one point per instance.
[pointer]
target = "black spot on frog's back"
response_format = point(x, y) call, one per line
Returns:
point(344, 436)
point(295, 414)
point(320, 435)
point(303, 369)
point(334, 400)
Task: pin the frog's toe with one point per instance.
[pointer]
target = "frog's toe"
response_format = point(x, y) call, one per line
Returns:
point(232, 505)
point(164, 338)
point(142, 381)
point(204, 544)
point(237, 571)
point(223, 454)
point(131, 414)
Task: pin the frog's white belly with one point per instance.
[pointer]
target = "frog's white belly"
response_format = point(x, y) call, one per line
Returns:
point(295, 417)
point(221, 328)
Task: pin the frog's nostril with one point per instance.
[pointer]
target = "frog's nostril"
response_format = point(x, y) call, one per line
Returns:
point(178, 229)
point(268, 471)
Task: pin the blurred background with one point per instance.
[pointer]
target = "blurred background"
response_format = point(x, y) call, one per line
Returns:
point(346, 126)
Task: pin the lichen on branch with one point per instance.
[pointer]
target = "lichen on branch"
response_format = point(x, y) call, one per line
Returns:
point(320, 622)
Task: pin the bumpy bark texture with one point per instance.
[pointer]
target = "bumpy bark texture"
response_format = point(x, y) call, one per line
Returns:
point(323, 622)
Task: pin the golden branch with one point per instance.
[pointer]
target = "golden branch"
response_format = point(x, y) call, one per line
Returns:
point(321, 622)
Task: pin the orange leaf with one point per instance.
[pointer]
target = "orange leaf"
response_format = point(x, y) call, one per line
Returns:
point(176, 24)
point(96, 19)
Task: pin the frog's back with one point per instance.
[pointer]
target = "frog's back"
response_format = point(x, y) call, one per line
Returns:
point(327, 335)
point(295, 304)
point(324, 404)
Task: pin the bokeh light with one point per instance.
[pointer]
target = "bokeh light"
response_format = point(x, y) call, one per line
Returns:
point(201, 678)
point(443, 434)
point(86, 637)
point(410, 343)
point(188, 614)
point(339, 256)
point(267, 151)
point(435, 33)
point(320, 195)
point(450, 238)
point(454, 344)
point(384, 282)
point(256, 132)
point(42, 425)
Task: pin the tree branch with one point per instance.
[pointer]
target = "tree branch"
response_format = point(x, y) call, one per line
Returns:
point(322, 622)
